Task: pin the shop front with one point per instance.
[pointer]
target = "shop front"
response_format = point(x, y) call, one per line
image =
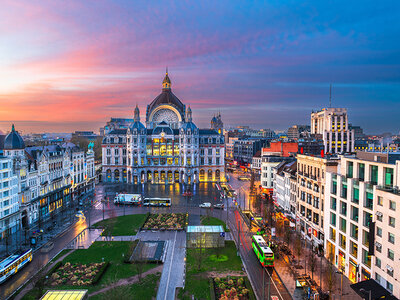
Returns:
point(352, 271)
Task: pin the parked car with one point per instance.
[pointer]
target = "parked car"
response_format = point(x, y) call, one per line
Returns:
point(205, 205)
point(219, 206)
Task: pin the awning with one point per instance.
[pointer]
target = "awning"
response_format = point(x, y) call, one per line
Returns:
point(377, 291)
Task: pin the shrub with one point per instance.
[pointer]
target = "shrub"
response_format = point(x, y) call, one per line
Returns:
point(100, 273)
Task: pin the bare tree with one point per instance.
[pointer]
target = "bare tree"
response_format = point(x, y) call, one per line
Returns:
point(287, 235)
point(200, 251)
point(298, 246)
point(139, 260)
point(330, 274)
point(312, 259)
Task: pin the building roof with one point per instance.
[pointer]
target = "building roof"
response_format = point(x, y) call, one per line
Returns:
point(65, 295)
point(166, 97)
point(119, 131)
point(208, 131)
point(13, 140)
point(362, 288)
point(205, 229)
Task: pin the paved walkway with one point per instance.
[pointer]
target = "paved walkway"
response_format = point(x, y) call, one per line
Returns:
point(282, 266)
point(121, 238)
point(174, 267)
point(127, 281)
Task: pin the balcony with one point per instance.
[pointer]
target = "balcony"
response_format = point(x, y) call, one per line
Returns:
point(390, 189)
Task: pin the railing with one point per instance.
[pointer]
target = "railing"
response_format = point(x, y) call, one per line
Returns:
point(390, 189)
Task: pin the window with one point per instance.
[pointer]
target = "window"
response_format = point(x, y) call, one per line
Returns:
point(378, 262)
point(379, 216)
point(332, 234)
point(342, 224)
point(343, 208)
point(367, 219)
point(391, 238)
point(342, 241)
point(389, 286)
point(366, 238)
point(350, 169)
point(333, 219)
point(344, 191)
point(380, 201)
point(369, 200)
point(379, 231)
point(392, 205)
point(354, 231)
point(392, 221)
point(356, 194)
point(353, 249)
point(361, 172)
point(366, 259)
point(374, 174)
point(333, 203)
point(388, 176)
point(390, 254)
point(209, 151)
point(334, 187)
point(354, 213)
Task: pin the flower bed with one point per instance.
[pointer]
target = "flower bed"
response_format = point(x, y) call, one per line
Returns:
point(75, 274)
point(231, 288)
point(166, 221)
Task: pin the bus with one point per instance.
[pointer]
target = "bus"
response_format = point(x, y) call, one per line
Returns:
point(157, 202)
point(13, 263)
point(264, 253)
point(128, 199)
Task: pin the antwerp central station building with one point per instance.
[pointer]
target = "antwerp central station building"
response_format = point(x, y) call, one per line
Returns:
point(169, 148)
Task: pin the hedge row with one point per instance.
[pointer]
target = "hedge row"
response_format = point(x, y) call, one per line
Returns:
point(100, 273)
point(55, 267)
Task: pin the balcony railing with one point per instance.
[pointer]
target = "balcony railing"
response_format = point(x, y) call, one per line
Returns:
point(390, 189)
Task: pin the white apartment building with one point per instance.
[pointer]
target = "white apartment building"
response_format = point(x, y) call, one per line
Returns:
point(311, 176)
point(363, 219)
point(282, 174)
point(9, 205)
point(332, 124)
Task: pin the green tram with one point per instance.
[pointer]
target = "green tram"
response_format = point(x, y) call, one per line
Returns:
point(264, 253)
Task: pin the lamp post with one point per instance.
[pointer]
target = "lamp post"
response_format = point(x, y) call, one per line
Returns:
point(341, 282)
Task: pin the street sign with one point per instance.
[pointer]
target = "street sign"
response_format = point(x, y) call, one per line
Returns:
point(222, 234)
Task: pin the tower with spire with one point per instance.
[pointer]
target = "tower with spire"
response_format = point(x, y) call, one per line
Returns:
point(166, 84)
point(217, 124)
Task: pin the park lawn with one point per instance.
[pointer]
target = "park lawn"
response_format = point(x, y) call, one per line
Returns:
point(111, 252)
point(197, 283)
point(62, 253)
point(145, 290)
point(123, 225)
point(213, 221)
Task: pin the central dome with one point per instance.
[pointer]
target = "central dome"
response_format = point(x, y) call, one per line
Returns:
point(165, 99)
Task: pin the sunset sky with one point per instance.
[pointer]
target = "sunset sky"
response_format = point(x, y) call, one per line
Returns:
point(72, 65)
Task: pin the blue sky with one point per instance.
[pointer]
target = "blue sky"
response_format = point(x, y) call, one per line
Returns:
point(72, 65)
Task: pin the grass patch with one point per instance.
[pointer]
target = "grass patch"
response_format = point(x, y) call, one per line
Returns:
point(62, 253)
point(147, 289)
point(123, 225)
point(111, 252)
point(213, 221)
point(197, 284)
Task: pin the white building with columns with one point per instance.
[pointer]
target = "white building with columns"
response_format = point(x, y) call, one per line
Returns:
point(170, 148)
point(332, 124)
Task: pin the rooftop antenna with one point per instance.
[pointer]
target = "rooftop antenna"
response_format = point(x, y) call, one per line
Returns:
point(330, 95)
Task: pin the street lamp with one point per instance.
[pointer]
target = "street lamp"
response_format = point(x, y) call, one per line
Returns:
point(365, 292)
